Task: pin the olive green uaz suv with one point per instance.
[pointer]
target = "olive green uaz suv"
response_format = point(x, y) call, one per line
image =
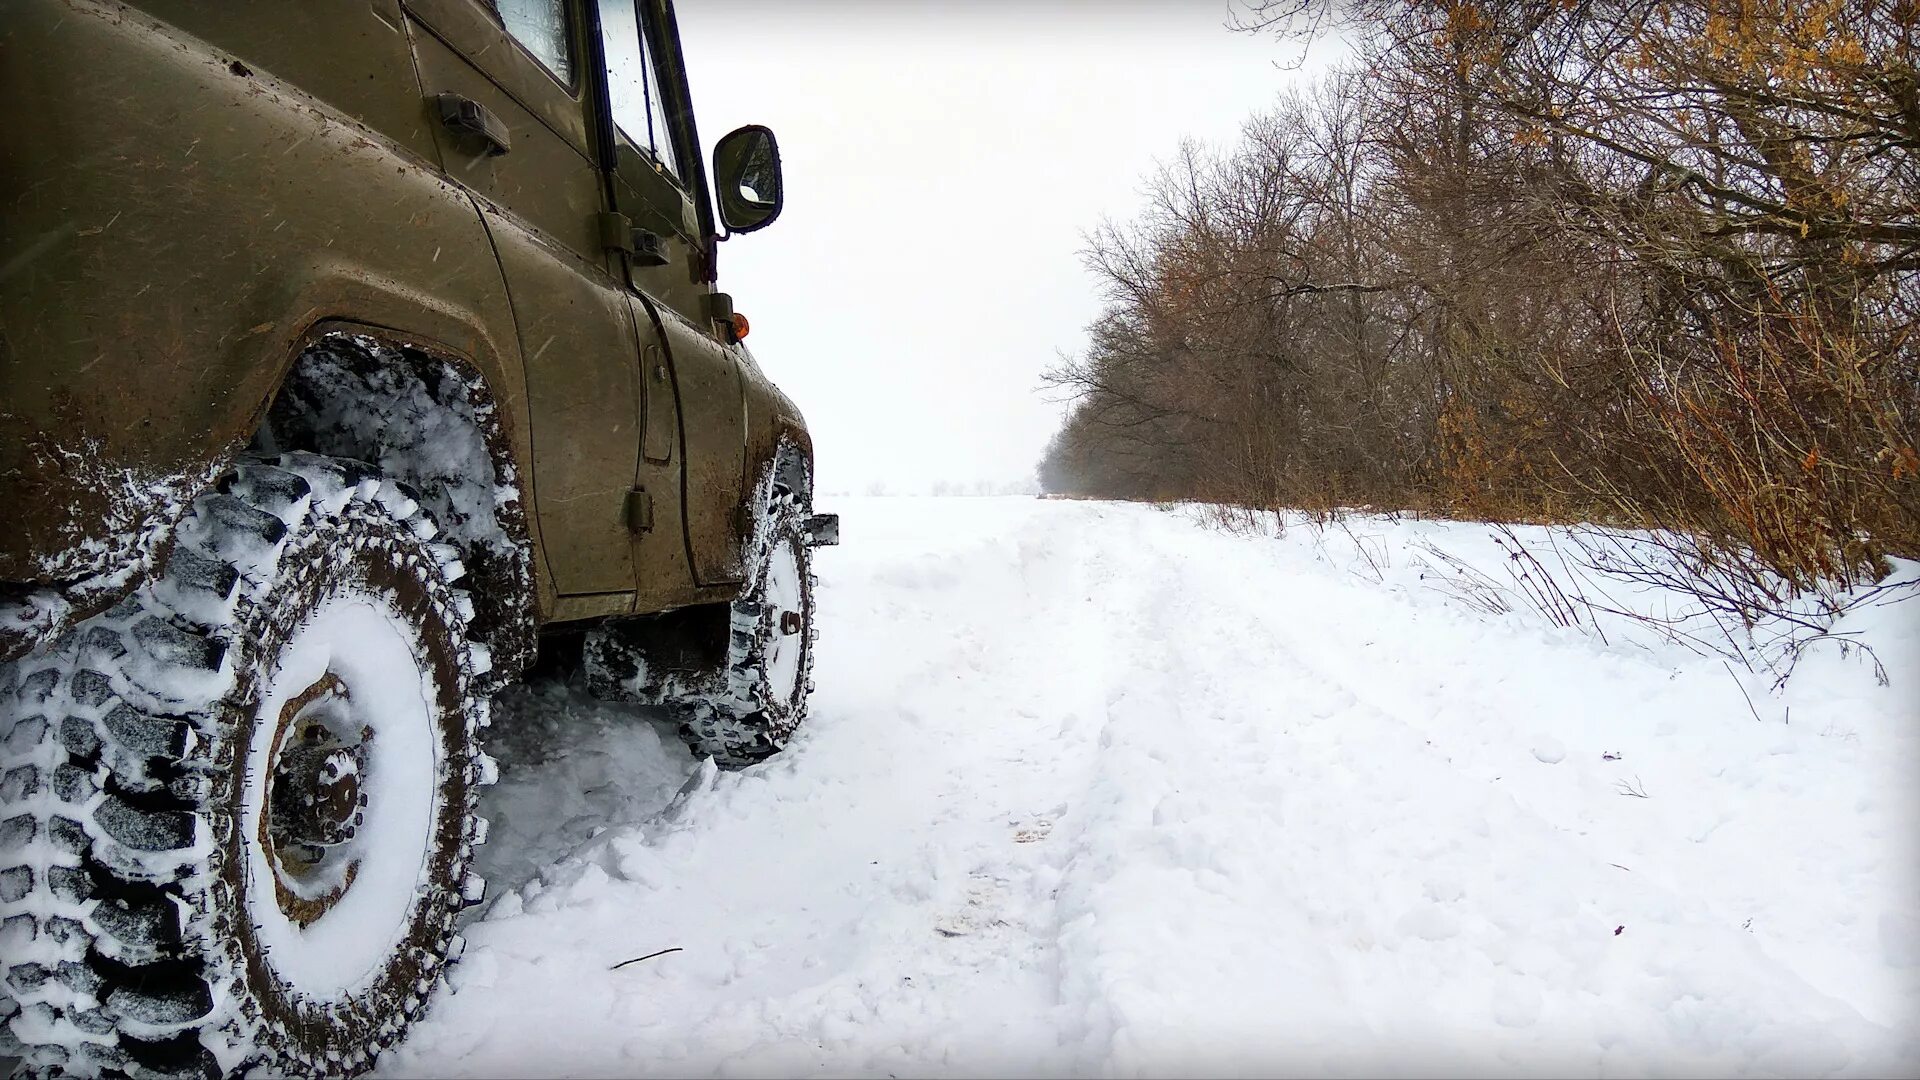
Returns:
point(353, 354)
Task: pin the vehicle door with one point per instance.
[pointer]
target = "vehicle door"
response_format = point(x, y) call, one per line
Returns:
point(659, 186)
point(507, 95)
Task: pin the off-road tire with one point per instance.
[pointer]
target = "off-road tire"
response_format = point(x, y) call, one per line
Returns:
point(743, 705)
point(124, 756)
point(751, 716)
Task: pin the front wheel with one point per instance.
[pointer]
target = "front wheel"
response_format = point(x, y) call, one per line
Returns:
point(239, 807)
point(768, 675)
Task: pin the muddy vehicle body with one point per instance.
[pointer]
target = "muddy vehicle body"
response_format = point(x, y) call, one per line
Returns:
point(349, 351)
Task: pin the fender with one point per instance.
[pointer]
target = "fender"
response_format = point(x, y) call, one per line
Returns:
point(428, 418)
point(136, 356)
point(773, 420)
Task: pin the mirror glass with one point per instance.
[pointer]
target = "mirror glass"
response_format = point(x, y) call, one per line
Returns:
point(746, 173)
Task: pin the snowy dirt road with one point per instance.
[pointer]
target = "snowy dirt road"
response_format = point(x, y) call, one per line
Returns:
point(1091, 789)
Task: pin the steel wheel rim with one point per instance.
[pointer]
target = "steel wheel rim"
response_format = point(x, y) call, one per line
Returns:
point(785, 601)
point(329, 928)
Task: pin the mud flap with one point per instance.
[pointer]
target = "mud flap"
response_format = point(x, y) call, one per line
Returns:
point(822, 530)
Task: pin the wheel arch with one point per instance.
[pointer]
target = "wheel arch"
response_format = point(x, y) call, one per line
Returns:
point(508, 599)
point(792, 467)
point(779, 447)
point(430, 417)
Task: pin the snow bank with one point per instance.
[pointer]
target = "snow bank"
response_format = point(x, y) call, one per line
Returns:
point(1092, 789)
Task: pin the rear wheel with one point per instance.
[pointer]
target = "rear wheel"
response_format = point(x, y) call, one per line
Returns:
point(237, 810)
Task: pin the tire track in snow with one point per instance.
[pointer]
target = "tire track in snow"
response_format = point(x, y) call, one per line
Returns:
point(1424, 910)
point(1485, 692)
point(1076, 799)
point(870, 899)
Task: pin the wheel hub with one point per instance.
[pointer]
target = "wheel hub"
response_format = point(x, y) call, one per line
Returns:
point(315, 803)
point(316, 796)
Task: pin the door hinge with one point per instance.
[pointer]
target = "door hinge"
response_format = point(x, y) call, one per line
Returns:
point(649, 249)
point(639, 511)
point(644, 248)
point(616, 232)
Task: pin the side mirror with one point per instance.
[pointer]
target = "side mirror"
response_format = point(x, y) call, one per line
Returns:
point(746, 178)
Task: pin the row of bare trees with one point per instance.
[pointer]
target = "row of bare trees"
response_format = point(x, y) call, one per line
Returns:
point(1647, 262)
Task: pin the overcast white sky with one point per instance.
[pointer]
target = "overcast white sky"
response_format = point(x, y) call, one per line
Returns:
point(942, 162)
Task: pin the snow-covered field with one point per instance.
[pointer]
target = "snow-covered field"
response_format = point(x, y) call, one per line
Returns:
point(1092, 789)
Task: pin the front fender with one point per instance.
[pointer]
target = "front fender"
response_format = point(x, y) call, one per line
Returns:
point(774, 421)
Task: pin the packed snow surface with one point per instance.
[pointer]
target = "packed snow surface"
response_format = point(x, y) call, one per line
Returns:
point(1095, 789)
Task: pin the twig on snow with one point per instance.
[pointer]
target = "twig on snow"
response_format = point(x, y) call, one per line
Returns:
point(1636, 789)
point(1743, 691)
point(649, 956)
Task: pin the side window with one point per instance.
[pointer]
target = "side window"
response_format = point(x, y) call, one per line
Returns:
point(633, 83)
point(540, 25)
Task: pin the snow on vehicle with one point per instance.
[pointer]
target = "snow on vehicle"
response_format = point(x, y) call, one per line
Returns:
point(349, 351)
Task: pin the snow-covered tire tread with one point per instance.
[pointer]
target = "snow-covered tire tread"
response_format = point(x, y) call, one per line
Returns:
point(739, 722)
point(113, 744)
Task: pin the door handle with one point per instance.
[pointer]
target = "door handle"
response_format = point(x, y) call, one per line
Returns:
point(465, 115)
